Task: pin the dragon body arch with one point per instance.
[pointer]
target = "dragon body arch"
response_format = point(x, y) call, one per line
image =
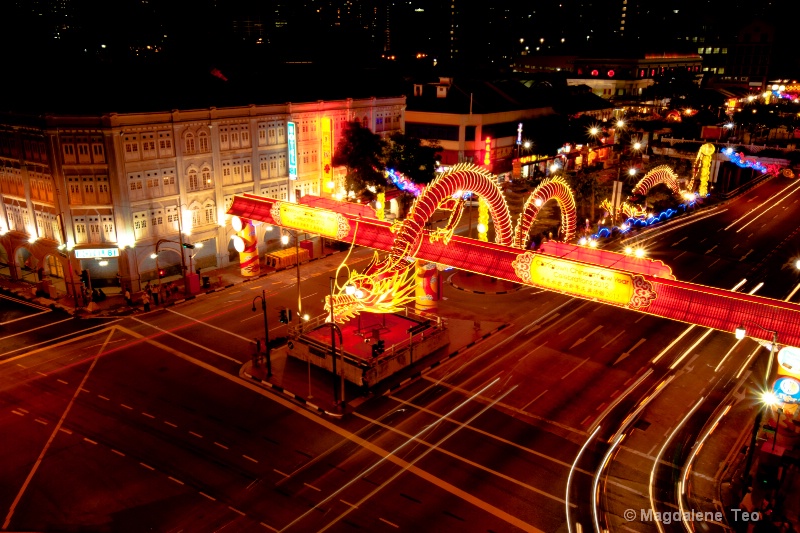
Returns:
point(386, 285)
point(660, 174)
point(551, 189)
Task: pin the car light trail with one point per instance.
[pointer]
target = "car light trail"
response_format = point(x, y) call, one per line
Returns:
point(658, 460)
point(621, 396)
point(596, 482)
point(572, 470)
point(394, 452)
point(757, 207)
point(687, 352)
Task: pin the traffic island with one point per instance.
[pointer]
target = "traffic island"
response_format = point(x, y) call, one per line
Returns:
point(371, 348)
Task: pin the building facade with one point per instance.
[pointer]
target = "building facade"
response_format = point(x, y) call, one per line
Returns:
point(101, 194)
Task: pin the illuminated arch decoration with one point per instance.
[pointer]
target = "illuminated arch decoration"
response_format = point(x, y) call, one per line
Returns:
point(660, 174)
point(386, 285)
point(702, 167)
point(551, 189)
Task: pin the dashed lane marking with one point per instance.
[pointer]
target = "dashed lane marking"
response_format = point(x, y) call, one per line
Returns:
point(312, 487)
point(221, 445)
point(178, 481)
point(147, 466)
point(203, 494)
point(387, 522)
point(170, 424)
point(90, 441)
point(126, 406)
point(42, 422)
point(62, 381)
point(148, 415)
point(118, 452)
point(17, 413)
point(235, 510)
point(102, 397)
point(249, 458)
point(68, 432)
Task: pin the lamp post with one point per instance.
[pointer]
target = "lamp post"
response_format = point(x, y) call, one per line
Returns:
point(183, 245)
point(267, 349)
point(740, 334)
point(338, 389)
point(285, 241)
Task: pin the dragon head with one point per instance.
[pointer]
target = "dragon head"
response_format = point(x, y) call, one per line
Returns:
point(384, 291)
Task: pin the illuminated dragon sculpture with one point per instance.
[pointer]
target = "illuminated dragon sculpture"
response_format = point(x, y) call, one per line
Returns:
point(660, 174)
point(385, 286)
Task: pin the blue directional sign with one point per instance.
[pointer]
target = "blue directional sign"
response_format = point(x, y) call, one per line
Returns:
point(291, 132)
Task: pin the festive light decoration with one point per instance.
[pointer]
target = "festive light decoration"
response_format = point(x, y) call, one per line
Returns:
point(660, 174)
point(380, 206)
point(403, 183)
point(246, 244)
point(550, 189)
point(483, 220)
point(487, 153)
point(739, 159)
point(702, 167)
point(386, 284)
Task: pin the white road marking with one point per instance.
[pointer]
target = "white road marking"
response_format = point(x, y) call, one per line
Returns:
point(90, 441)
point(42, 422)
point(41, 373)
point(176, 480)
point(221, 446)
point(126, 406)
point(203, 494)
point(17, 413)
point(349, 504)
point(206, 324)
point(249, 458)
point(268, 527)
point(170, 424)
point(236, 510)
point(68, 432)
point(148, 415)
point(198, 345)
point(312, 487)
point(575, 368)
point(102, 397)
point(199, 436)
point(530, 402)
point(118, 452)
point(62, 381)
point(612, 340)
point(387, 522)
point(147, 466)
point(279, 472)
point(34, 329)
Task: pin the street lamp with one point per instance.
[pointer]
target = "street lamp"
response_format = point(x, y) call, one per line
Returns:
point(337, 389)
point(267, 349)
point(740, 334)
point(285, 241)
point(770, 400)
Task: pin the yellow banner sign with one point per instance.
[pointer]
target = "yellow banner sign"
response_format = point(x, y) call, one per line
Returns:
point(309, 219)
point(583, 280)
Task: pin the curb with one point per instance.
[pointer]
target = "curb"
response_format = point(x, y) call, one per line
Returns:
point(461, 350)
point(299, 399)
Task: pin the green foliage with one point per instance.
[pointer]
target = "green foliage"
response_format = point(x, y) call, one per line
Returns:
point(413, 157)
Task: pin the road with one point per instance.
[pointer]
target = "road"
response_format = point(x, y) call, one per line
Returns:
point(143, 423)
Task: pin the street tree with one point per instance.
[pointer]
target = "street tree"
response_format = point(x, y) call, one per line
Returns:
point(360, 151)
point(415, 158)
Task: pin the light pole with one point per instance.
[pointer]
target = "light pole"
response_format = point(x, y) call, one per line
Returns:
point(267, 349)
point(285, 241)
point(183, 246)
point(338, 389)
point(740, 334)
